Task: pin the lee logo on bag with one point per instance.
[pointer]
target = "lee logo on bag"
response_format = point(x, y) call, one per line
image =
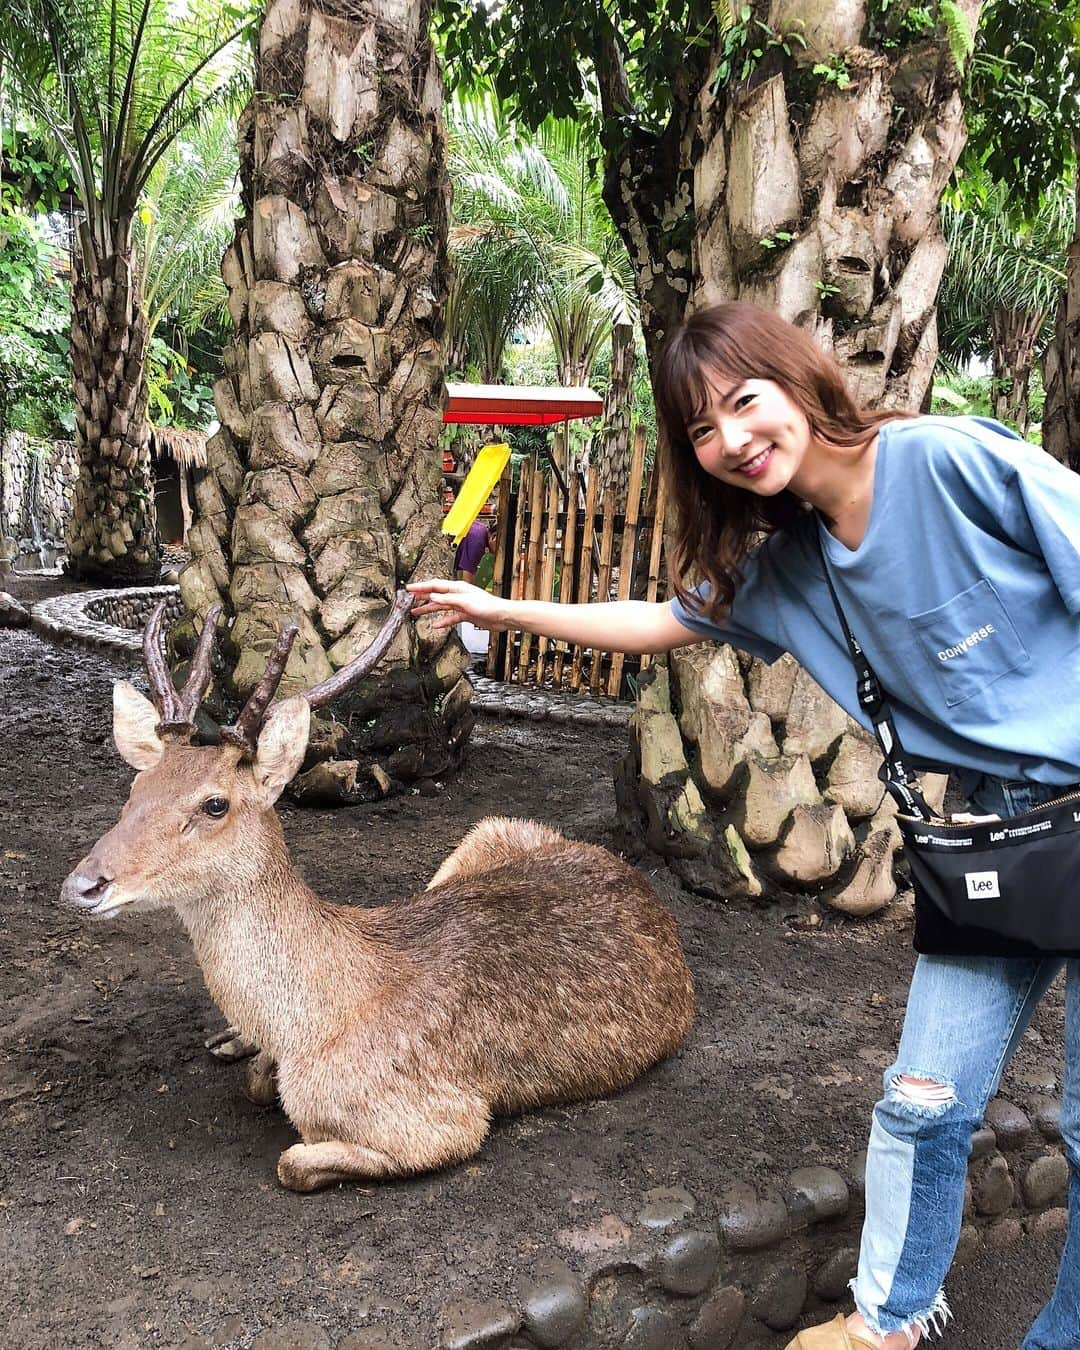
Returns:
point(982, 885)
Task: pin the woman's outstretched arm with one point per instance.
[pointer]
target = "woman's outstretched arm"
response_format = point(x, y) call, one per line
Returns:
point(635, 626)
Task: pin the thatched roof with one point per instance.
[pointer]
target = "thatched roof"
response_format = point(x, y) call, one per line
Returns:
point(185, 445)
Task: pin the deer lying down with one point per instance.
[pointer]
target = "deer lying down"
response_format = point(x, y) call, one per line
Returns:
point(531, 970)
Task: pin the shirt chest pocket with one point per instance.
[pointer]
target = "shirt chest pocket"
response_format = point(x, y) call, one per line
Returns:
point(970, 641)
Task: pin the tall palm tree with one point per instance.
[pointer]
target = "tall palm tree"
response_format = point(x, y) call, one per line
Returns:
point(184, 223)
point(116, 82)
point(1002, 282)
point(322, 489)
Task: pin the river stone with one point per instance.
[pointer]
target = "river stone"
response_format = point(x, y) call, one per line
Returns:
point(476, 1324)
point(293, 1336)
point(832, 1279)
point(1046, 1113)
point(983, 1141)
point(715, 1326)
point(781, 1299)
point(1052, 1223)
point(665, 1205)
point(1004, 1233)
point(652, 1328)
point(1009, 1123)
point(995, 1192)
point(816, 1193)
point(687, 1263)
point(1046, 1180)
point(748, 1221)
point(12, 614)
point(554, 1304)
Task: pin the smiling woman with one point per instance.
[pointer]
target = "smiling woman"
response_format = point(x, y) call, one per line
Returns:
point(952, 547)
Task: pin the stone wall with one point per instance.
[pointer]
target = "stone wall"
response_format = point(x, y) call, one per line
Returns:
point(37, 479)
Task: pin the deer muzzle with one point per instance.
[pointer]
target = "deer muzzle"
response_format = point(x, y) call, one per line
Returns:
point(89, 891)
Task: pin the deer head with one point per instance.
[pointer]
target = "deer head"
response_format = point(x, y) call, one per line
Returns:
point(199, 820)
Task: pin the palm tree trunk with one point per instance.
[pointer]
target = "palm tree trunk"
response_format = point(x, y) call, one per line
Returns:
point(836, 228)
point(614, 464)
point(1013, 337)
point(112, 534)
point(323, 487)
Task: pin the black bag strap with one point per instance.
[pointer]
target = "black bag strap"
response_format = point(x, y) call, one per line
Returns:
point(899, 779)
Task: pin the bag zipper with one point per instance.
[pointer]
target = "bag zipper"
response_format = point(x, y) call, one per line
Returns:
point(939, 822)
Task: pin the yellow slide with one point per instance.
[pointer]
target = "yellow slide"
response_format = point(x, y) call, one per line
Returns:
point(485, 473)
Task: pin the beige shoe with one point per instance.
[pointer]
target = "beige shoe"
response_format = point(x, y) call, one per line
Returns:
point(833, 1336)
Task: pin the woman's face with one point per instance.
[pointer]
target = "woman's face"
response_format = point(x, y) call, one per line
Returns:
point(751, 435)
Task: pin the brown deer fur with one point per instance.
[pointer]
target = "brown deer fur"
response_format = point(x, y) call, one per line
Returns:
point(532, 970)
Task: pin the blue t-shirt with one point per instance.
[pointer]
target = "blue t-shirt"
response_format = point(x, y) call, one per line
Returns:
point(964, 594)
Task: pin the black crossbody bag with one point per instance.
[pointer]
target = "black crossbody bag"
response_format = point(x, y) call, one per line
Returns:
point(993, 888)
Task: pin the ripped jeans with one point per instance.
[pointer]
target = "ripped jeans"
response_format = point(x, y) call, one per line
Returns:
point(965, 1017)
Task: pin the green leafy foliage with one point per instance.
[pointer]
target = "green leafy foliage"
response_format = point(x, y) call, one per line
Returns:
point(34, 308)
point(177, 396)
point(32, 176)
point(1024, 96)
point(833, 71)
point(116, 82)
point(1000, 258)
point(532, 242)
point(532, 51)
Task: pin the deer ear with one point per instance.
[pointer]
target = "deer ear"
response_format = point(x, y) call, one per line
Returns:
point(282, 745)
point(135, 722)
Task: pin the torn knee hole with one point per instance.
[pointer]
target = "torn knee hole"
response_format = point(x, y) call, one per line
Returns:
point(924, 1092)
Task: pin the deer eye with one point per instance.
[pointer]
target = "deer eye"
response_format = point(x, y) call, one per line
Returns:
point(216, 807)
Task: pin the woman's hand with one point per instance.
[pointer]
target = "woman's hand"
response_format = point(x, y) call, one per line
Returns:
point(454, 601)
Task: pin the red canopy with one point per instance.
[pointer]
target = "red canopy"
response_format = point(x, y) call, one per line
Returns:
point(509, 405)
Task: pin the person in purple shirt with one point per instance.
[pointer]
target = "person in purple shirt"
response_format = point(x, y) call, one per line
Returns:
point(479, 540)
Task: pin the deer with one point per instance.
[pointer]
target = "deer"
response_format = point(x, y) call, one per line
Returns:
point(532, 970)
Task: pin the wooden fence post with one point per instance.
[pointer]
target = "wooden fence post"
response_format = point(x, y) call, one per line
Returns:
point(628, 551)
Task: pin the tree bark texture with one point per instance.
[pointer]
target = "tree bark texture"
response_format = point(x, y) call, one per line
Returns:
point(1061, 364)
point(322, 493)
point(112, 533)
point(819, 202)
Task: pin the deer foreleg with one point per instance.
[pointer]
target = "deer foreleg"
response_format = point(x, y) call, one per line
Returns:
point(309, 1167)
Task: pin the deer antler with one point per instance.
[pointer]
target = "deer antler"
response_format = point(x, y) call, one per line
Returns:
point(245, 730)
point(354, 672)
point(178, 711)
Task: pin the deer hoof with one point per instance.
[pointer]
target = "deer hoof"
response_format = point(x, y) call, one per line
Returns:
point(260, 1080)
point(229, 1045)
point(296, 1173)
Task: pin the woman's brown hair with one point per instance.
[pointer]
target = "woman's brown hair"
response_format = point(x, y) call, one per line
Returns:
point(718, 524)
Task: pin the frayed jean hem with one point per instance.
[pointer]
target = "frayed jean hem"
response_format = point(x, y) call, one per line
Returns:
point(931, 1322)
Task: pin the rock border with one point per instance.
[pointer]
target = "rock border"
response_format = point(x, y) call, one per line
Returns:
point(669, 1281)
point(776, 1254)
point(112, 619)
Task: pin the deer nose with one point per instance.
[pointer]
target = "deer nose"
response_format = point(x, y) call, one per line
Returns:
point(84, 890)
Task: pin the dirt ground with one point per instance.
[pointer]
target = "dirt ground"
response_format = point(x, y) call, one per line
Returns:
point(138, 1198)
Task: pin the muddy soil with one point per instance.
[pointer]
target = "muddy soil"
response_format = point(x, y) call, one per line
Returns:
point(138, 1198)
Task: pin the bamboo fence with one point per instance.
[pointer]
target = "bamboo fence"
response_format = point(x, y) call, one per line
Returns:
point(561, 538)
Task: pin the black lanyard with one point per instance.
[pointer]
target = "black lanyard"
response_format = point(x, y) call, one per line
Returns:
point(902, 783)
